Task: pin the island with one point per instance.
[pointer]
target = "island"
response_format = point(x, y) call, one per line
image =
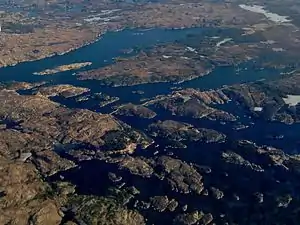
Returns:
point(63, 68)
point(66, 91)
point(209, 134)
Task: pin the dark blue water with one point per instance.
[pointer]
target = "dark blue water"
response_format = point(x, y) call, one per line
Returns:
point(111, 45)
point(90, 177)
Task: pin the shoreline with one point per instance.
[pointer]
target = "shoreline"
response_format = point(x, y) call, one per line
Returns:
point(98, 38)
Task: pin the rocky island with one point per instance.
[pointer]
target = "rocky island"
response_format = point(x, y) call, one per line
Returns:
point(135, 110)
point(156, 66)
point(66, 91)
point(63, 68)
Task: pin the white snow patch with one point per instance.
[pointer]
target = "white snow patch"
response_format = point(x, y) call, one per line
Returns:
point(278, 49)
point(183, 57)
point(191, 49)
point(268, 42)
point(292, 100)
point(223, 42)
point(99, 18)
point(257, 109)
point(271, 16)
point(102, 16)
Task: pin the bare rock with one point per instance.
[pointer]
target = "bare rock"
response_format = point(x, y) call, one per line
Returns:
point(188, 218)
point(135, 110)
point(180, 176)
point(216, 193)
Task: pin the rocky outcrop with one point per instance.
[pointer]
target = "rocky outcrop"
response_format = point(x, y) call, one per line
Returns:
point(234, 158)
point(48, 162)
point(195, 217)
point(136, 166)
point(180, 176)
point(207, 97)
point(94, 210)
point(63, 90)
point(194, 104)
point(57, 124)
point(34, 130)
point(178, 131)
point(135, 110)
point(162, 203)
point(150, 67)
point(25, 197)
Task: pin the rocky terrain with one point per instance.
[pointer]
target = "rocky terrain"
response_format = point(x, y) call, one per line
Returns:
point(268, 100)
point(177, 132)
point(78, 23)
point(74, 166)
point(80, 152)
point(31, 135)
point(135, 110)
point(159, 65)
point(190, 103)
